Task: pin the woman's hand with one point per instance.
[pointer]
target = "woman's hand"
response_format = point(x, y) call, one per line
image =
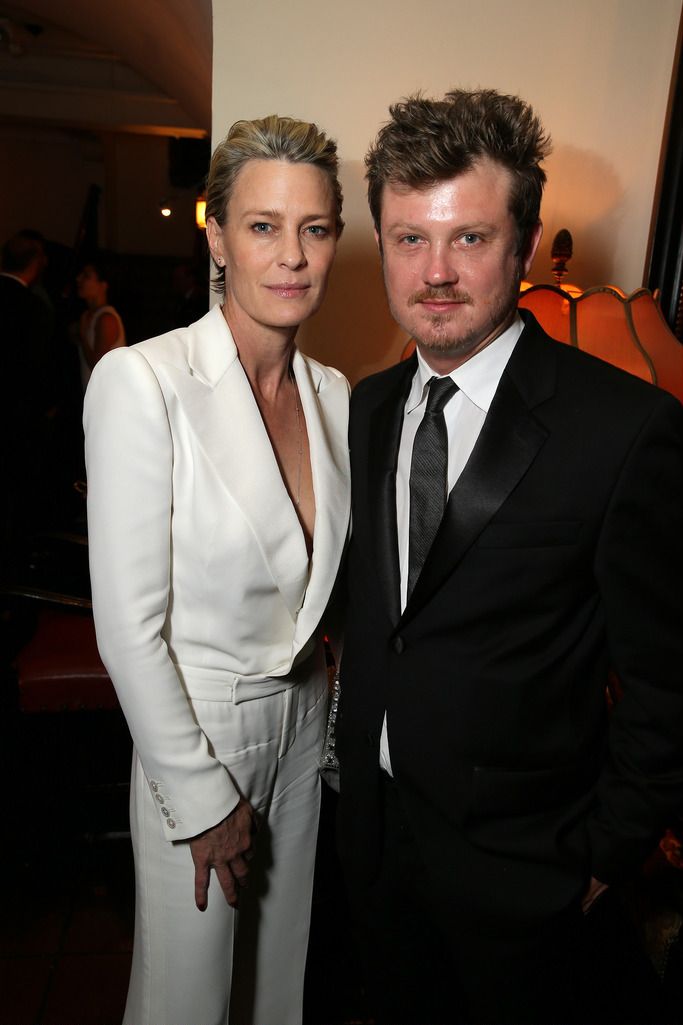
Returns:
point(227, 849)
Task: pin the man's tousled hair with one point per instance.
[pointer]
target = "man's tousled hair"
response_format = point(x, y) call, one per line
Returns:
point(429, 141)
point(21, 250)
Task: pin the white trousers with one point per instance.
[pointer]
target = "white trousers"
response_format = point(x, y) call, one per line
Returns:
point(221, 966)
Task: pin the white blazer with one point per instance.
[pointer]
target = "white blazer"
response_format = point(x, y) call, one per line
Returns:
point(198, 561)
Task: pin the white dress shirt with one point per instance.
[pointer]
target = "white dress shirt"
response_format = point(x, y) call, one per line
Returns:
point(477, 380)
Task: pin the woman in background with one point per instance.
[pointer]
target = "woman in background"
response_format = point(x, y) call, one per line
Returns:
point(100, 327)
point(218, 504)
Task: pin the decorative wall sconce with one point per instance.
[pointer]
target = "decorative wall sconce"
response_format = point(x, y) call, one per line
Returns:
point(200, 212)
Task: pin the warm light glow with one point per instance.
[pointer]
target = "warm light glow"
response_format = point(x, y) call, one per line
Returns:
point(200, 212)
point(573, 290)
point(165, 210)
point(626, 330)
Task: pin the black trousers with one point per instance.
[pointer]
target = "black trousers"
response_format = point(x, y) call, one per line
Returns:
point(430, 963)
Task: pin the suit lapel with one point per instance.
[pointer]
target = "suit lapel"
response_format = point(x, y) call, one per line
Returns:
point(216, 399)
point(507, 445)
point(325, 405)
point(386, 424)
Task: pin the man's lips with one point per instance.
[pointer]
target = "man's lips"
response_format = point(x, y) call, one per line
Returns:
point(435, 302)
point(440, 305)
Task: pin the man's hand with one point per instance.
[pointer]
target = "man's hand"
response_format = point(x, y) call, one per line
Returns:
point(595, 888)
point(227, 849)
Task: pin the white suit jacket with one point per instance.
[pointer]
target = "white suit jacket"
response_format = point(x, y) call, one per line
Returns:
point(198, 561)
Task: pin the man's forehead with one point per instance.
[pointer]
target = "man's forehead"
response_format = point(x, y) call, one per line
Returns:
point(482, 184)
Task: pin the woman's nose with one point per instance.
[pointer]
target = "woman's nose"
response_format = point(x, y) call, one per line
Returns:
point(292, 252)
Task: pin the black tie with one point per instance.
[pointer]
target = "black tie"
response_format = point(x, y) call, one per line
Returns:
point(428, 476)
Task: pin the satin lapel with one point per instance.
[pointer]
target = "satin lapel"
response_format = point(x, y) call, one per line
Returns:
point(508, 444)
point(386, 424)
point(325, 405)
point(217, 401)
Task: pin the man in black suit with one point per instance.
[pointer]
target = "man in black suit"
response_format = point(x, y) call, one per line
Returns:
point(516, 534)
point(26, 391)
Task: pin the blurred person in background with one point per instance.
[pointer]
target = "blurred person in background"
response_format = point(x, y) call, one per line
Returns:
point(100, 328)
point(26, 383)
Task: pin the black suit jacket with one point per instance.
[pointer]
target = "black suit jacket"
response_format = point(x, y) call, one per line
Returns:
point(558, 558)
point(25, 357)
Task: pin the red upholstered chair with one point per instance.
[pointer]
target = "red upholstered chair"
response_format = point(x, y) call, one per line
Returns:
point(59, 669)
point(66, 725)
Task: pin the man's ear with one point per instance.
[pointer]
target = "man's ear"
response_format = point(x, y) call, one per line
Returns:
point(535, 237)
point(378, 240)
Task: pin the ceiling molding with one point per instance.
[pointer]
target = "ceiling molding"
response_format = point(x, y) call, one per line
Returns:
point(142, 65)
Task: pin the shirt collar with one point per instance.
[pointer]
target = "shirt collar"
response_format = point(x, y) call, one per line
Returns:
point(478, 377)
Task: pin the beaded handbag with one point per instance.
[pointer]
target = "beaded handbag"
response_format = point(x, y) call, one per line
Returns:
point(329, 763)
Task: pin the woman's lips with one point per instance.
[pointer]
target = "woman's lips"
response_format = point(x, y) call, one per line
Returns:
point(287, 290)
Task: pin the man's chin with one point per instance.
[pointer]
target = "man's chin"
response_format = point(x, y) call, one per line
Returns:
point(442, 340)
point(447, 345)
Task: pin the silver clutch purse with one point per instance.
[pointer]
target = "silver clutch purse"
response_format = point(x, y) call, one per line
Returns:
point(329, 763)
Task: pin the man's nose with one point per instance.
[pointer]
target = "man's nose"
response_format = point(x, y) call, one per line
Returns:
point(440, 268)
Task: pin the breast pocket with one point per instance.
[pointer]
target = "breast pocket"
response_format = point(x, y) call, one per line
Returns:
point(542, 534)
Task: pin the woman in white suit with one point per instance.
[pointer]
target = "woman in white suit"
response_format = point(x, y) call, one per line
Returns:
point(218, 505)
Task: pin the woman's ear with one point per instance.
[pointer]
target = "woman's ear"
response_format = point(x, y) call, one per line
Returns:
point(214, 237)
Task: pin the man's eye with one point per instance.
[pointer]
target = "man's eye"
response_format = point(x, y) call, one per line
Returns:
point(411, 240)
point(317, 230)
point(469, 238)
point(261, 227)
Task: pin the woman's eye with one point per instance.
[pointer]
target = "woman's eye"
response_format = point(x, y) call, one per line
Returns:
point(317, 230)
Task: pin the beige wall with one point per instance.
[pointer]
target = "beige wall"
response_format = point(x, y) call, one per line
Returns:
point(597, 71)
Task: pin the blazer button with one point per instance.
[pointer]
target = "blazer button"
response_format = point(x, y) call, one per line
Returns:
point(170, 823)
point(398, 645)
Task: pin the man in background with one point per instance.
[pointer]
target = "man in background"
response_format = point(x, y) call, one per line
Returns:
point(26, 390)
point(517, 533)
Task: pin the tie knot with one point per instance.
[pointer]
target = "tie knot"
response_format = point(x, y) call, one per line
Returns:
point(440, 391)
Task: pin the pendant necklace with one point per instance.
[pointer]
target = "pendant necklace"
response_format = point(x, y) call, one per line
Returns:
point(297, 497)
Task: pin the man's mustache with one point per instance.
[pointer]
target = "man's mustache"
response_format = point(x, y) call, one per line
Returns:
point(440, 294)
